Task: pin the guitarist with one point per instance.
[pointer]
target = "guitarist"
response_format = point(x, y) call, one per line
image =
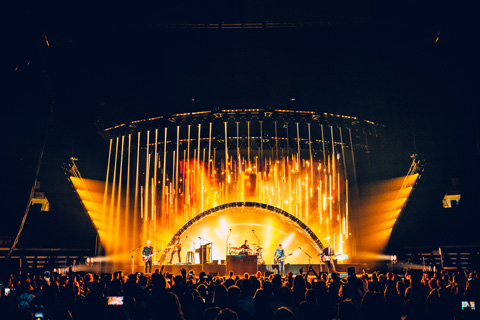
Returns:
point(279, 258)
point(327, 256)
point(177, 247)
point(146, 252)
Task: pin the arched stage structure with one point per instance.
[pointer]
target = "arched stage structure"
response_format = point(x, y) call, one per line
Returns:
point(167, 173)
point(295, 223)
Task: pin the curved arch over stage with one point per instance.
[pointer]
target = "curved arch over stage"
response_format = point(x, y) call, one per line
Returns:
point(300, 225)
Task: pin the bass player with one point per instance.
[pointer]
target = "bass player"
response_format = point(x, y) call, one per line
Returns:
point(279, 258)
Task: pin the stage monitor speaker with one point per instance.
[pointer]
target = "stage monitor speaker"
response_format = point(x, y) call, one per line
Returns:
point(241, 264)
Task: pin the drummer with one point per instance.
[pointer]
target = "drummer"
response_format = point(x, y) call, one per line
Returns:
point(243, 251)
point(245, 247)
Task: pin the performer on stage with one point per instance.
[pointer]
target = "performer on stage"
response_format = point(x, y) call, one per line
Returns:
point(245, 246)
point(177, 248)
point(279, 258)
point(243, 251)
point(146, 252)
point(327, 256)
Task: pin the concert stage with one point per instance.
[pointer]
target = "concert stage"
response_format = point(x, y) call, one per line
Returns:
point(220, 178)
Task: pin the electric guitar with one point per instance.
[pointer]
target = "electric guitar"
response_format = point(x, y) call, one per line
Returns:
point(326, 257)
point(275, 260)
point(176, 247)
point(147, 258)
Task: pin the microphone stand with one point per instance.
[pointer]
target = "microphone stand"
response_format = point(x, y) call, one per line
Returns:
point(309, 257)
point(226, 252)
point(258, 240)
point(133, 256)
point(259, 244)
point(193, 242)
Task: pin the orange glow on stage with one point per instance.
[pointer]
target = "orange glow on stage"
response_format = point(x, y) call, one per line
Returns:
point(163, 176)
point(287, 185)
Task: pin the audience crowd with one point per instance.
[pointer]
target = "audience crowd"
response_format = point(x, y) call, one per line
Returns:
point(308, 295)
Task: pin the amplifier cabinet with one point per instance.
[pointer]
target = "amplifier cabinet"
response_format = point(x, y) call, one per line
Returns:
point(241, 264)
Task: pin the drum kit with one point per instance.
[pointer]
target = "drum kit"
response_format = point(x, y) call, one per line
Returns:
point(257, 250)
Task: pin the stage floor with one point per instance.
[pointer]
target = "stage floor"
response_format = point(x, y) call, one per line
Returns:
point(265, 269)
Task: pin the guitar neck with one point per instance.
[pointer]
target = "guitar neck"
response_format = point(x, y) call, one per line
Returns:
point(283, 258)
point(149, 255)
